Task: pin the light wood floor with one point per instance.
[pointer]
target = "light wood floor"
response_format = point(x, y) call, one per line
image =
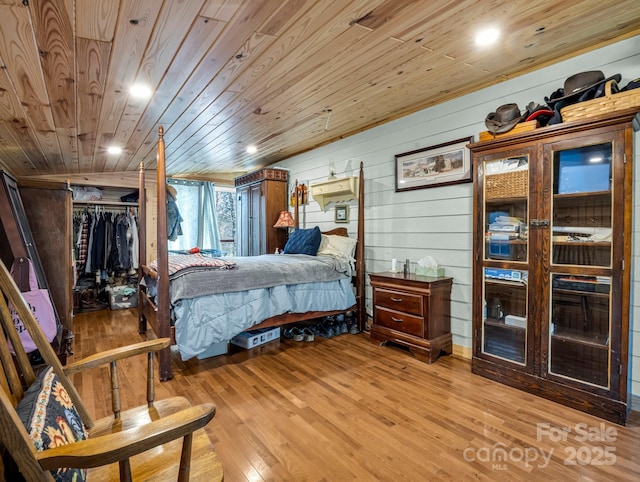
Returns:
point(344, 409)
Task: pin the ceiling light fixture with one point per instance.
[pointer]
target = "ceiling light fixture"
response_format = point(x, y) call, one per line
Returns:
point(140, 91)
point(114, 150)
point(252, 149)
point(486, 37)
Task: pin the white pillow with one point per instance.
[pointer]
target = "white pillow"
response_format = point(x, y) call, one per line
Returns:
point(338, 246)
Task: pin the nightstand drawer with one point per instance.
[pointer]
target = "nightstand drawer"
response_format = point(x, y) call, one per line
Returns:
point(398, 300)
point(412, 325)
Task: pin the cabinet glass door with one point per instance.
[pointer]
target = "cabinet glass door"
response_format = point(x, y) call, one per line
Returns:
point(504, 325)
point(580, 331)
point(582, 206)
point(506, 184)
point(581, 252)
point(505, 216)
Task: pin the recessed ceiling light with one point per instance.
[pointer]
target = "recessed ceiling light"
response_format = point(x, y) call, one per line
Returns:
point(114, 150)
point(140, 91)
point(487, 37)
point(252, 149)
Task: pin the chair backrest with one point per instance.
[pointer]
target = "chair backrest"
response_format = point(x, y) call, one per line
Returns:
point(17, 375)
point(44, 426)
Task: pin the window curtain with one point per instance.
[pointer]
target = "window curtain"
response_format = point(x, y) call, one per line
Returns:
point(210, 235)
point(197, 204)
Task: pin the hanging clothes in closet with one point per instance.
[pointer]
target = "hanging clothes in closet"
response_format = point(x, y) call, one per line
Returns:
point(106, 240)
point(81, 220)
point(134, 242)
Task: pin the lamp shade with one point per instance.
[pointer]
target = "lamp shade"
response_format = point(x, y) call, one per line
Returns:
point(285, 220)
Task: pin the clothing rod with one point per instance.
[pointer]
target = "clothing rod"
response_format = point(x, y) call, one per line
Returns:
point(110, 203)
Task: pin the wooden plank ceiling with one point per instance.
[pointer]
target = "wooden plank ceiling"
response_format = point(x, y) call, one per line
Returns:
point(284, 75)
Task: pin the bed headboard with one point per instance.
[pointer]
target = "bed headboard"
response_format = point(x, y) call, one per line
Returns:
point(337, 232)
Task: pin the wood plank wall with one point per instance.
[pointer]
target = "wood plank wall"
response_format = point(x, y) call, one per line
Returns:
point(438, 221)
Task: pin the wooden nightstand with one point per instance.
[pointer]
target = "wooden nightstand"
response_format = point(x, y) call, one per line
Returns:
point(413, 311)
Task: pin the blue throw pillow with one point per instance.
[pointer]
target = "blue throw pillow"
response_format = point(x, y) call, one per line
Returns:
point(304, 241)
point(51, 420)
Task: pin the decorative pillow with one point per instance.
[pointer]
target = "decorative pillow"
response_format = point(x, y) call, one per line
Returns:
point(51, 420)
point(304, 241)
point(338, 246)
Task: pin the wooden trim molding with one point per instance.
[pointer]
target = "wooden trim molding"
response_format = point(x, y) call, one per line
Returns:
point(465, 352)
point(261, 175)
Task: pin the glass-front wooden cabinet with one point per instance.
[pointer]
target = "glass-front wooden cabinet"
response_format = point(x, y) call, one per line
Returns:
point(552, 263)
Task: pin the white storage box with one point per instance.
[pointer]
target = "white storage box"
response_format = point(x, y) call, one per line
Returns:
point(251, 339)
point(514, 320)
point(121, 297)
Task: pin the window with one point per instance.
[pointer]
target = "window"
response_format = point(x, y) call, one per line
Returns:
point(198, 225)
point(226, 215)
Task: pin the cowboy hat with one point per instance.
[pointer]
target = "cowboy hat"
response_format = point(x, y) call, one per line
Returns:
point(503, 119)
point(579, 83)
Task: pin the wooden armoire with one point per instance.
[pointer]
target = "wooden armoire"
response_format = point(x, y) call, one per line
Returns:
point(261, 195)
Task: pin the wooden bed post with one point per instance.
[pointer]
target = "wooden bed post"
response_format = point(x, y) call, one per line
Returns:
point(361, 282)
point(142, 244)
point(296, 206)
point(163, 302)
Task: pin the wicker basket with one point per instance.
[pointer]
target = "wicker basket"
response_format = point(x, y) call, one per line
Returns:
point(602, 105)
point(506, 185)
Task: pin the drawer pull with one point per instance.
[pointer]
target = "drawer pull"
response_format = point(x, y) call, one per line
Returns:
point(397, 300)
point(397, 320)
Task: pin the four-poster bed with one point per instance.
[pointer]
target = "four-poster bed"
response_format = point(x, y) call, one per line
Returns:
point(158, 313)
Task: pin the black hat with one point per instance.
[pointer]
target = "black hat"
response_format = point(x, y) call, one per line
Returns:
point(503, 119)
point(580, 82)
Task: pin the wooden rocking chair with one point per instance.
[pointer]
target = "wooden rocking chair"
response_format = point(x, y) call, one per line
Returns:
point(137, 444)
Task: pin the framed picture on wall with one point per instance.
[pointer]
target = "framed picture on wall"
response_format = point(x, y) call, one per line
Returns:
point(342, 214)
point(439, 165)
